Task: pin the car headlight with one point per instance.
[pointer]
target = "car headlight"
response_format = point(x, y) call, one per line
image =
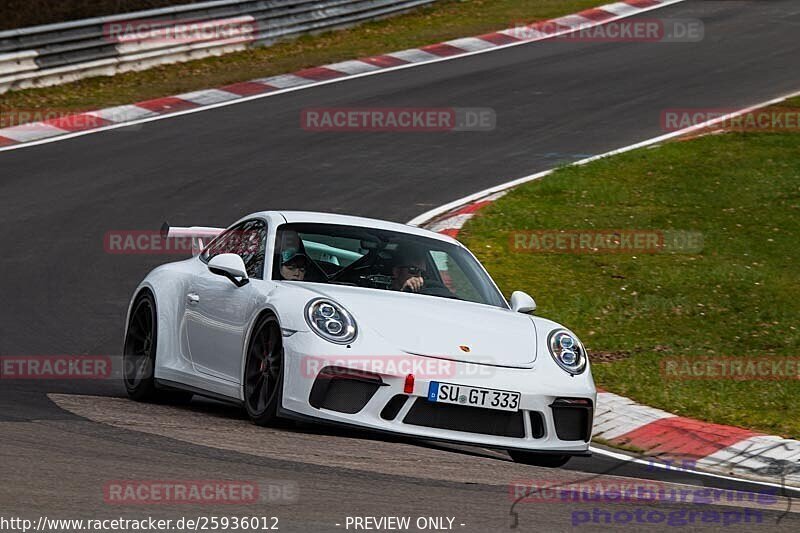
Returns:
point(331, 321)
point(567, 351)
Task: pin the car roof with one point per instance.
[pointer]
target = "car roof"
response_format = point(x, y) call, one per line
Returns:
point(350, 220)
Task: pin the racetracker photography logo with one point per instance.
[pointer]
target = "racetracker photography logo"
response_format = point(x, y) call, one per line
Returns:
point(198, 492)
point(771, 119)
point(37, 367)
point(140, 32)
point(399, 119)
point(611, 490)
point(679, 518)
point(609, 241)
point(765, 368)
point(624, 30)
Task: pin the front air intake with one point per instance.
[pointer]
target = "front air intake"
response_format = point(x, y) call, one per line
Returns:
point(393, 406)
point(343, 390)
point(573, 418)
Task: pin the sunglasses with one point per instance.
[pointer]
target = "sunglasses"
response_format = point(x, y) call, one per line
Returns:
point(414, 271)
point(294, 268)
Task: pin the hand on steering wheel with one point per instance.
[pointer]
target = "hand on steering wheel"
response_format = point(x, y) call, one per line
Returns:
point(413, 284)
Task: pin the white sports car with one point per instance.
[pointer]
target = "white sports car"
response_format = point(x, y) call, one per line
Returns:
point(359, 322)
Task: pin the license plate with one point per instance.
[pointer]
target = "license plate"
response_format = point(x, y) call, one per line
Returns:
point(473, 396)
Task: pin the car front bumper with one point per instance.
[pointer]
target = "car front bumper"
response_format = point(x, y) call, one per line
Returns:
point(371, 392)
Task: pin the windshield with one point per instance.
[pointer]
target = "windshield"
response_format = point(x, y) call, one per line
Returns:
point(380, 259)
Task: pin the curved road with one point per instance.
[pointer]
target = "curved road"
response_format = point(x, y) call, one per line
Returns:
point(555, 101)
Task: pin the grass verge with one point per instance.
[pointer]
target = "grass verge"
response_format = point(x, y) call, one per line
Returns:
point(737, 297)
point(444, 20)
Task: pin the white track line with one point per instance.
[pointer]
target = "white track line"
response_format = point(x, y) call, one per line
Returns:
point(433, 213)
point(670, 468)
point(320, 83)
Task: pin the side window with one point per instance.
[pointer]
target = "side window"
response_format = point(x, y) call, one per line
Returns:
point(221, 245)
point(248, 240)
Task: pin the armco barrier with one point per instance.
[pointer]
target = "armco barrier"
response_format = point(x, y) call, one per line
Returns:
point(59, 53)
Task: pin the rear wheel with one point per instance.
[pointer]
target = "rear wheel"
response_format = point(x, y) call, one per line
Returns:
point(546, 460)
point(263, 378)
point(139, 355)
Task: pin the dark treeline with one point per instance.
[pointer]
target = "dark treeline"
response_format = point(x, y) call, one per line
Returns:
point(21, 13)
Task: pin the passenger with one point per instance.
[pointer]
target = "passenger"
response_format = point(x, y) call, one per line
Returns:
point(293, 260)
point(293, 265)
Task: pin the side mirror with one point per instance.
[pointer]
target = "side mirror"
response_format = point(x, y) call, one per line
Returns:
point(231, 266)
point(521, 302)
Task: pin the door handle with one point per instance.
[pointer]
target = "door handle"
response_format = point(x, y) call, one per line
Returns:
point(192, 298)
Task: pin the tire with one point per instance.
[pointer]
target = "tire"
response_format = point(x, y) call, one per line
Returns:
point(546, 460)
point(139, 356)
point(262, 385)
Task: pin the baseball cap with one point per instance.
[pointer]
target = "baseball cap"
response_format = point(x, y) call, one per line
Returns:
point(290, 254)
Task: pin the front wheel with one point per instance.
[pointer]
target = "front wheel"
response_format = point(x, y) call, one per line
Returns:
point(263, 375)
point(547, 460)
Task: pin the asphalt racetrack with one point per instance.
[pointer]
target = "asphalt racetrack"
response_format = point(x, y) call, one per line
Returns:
point(61, 443)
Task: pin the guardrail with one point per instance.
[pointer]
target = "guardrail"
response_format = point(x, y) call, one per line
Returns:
point(58, 53)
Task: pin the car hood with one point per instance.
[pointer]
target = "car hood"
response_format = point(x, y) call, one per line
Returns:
point(440, 327)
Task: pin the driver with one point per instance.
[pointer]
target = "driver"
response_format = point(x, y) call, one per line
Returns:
point(409, 271)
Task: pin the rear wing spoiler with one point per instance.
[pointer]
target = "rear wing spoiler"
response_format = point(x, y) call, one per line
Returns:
point(200, 235)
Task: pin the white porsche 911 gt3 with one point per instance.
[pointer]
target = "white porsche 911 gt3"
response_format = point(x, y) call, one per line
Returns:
point(358, 322)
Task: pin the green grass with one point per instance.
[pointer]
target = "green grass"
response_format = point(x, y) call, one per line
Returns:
point(447, 19)
point(740, 296)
